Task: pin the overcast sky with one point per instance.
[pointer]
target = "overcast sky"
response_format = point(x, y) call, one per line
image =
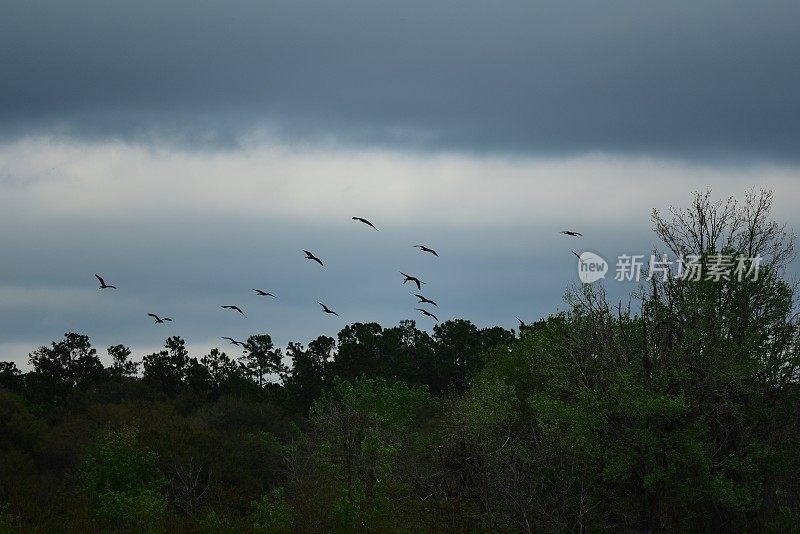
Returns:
point(188, 150)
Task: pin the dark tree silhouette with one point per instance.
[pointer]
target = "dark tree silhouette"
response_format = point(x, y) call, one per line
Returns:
point(261, 359)
point(168, 368)
point(121, 364)
point(70, 363)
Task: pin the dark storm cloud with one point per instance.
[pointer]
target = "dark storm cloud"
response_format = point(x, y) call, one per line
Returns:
point(686, 78)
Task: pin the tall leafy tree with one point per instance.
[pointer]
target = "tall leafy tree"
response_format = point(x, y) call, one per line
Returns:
point(222, 370)
point(121, 364)
point(168, 368)
point(9, 375)
point(308, 375)
point(262, 360)
point(361, 351)
point(458, 352)
point(69, 364)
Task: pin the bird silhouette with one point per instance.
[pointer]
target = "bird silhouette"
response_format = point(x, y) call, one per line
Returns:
point(429, 314)
point(234, 308)
point(571, 232)
point(310, 256)
point(363, 220)
point(423, 300)
point(158, 319)
point(577, 256)
point(103, 284)
point(414, 279)
point(233, 341)
point(423, 248)
point(261, 293)
point(327, 310)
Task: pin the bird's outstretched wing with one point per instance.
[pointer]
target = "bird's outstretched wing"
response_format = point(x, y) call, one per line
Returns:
point(153, 315)
point(429, 314)
point(327, 310)
point(424, 299)
point(577, 256)
point(423, 248)
point(311, 256)
point(103, 284)
point(363, 220)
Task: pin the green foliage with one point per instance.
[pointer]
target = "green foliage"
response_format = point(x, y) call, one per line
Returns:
point(365, 429)
point(123, 478)
point(681, 416)
point(272, 514)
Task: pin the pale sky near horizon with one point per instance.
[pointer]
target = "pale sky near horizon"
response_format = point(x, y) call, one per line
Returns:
point(188, 152)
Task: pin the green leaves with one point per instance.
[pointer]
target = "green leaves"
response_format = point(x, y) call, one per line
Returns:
point(123, 479)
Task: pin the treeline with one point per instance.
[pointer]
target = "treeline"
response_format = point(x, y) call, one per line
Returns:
point(682, 414)
point(446, 361)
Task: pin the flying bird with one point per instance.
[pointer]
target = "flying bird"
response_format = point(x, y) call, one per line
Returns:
point(414, 279)
point(423, 248)
point(577, 256)
point(423, 300)
point(234, 308)
point(327, 310)
point(363, 220)
point(572, 233)
point(429, 314)
point(158, 319)
point(233, 341)
point(310, 256)
point(103, 284)
point(261, 293)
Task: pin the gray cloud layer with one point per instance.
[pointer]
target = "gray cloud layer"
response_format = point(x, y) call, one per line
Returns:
point(681, 78)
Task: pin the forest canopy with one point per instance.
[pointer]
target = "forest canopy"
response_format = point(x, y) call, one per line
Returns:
point(678, 410)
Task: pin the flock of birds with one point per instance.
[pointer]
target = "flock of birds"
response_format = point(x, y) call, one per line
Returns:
point(310, 256)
